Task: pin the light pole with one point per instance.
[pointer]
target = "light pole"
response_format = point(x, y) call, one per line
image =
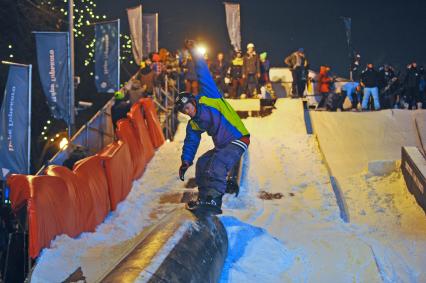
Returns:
point(71, 123)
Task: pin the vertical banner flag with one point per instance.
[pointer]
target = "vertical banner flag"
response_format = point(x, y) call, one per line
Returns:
point(54, 68)
point(150, 33)
point(107, 56)
point(15, 122)
point(348, 27)
point(233, 23)
point(135, 24)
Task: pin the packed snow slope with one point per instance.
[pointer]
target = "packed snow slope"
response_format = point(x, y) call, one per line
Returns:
point(363, 151)
point(284, 227)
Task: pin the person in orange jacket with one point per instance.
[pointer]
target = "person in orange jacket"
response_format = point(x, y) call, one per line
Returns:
point(324, 82)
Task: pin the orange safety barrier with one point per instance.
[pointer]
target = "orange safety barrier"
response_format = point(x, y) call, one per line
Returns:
point(118, 169)
point(136, 117)
point(51, 212)
point(154, 126)
point(86, 216)
point(19, 191)
point(91, 170)
point(126, 132)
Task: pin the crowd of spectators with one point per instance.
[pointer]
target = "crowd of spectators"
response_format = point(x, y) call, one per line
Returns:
point(246, 75)
point(242, 75)
point(374, 89)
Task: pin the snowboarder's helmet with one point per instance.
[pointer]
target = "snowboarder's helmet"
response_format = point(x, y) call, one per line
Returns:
point(182, 99)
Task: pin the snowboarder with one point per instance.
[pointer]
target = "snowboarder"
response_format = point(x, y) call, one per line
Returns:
point(210, 113)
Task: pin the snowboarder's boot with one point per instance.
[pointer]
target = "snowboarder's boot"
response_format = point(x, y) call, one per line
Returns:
point(208, 203)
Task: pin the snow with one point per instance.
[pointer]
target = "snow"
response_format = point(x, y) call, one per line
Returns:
point(299, 237)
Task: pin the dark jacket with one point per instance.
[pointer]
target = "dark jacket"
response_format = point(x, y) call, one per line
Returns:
point(370, 78)
point(119, 110)
point(296, 61)
point(412, 78)
point(189, 70)
point(356, 71)
point(219, 69)
point(251, 65)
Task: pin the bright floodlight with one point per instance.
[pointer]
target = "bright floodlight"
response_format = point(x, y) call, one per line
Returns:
point(202, 50)
point(63, 143)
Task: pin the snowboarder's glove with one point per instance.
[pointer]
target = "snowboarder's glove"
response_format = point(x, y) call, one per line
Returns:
point(182, 169)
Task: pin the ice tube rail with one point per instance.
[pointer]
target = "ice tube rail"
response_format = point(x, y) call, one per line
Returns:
point(179, 248)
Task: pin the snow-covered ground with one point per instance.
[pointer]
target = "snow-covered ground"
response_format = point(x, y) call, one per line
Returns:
point(296, 237)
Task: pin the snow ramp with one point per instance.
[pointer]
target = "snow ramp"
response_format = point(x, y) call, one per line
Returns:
point(351, 140)
point(363, 152)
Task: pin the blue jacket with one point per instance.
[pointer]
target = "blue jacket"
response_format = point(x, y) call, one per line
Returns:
point(214, 116)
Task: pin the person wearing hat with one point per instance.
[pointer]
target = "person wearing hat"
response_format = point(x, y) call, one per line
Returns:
point(236, 73)
point(211, 113)
point(299, 70)
point(120, 107)
point(264, 68)
point(251, 70)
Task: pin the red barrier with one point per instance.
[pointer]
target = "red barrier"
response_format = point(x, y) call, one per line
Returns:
point(92, 172)
point(136, 117)
point(118, 169)
point(19, 191)
point(86, 216)
point(154, 126)
point(51, 212)
point(127, 133)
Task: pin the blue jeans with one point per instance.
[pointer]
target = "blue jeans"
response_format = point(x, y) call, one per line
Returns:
point(374, 91)
point(213, 166)
point(351, 89)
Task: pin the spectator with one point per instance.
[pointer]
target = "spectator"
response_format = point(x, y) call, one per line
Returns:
point(299, 70)
point(146, 76)
point(120, 108)
point(324, 82)
point(251, 70)
point(353, 91)
point(370, 82)
point(356, 68)
point(236, 74)
point(191, 80)
point(218, 70)
point(412, 85)
point(264, 69)
point(136, 91)
point(422, 89)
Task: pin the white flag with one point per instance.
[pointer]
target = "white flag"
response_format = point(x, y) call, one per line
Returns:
point(233, 23)
point(135, 24)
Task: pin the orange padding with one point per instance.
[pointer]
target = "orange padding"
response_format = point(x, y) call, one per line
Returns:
point(127, 133)
point(118, 169)
point(154, 126)
point(136, 117)
point(74, 201)
point(20, 192)
point(51, 211)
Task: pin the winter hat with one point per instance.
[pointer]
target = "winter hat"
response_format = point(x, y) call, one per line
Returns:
point(301, 49)
point(119, 95)
point(155, 57)
point(263, 56)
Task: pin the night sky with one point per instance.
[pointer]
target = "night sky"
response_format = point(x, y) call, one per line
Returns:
point(383, 31)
